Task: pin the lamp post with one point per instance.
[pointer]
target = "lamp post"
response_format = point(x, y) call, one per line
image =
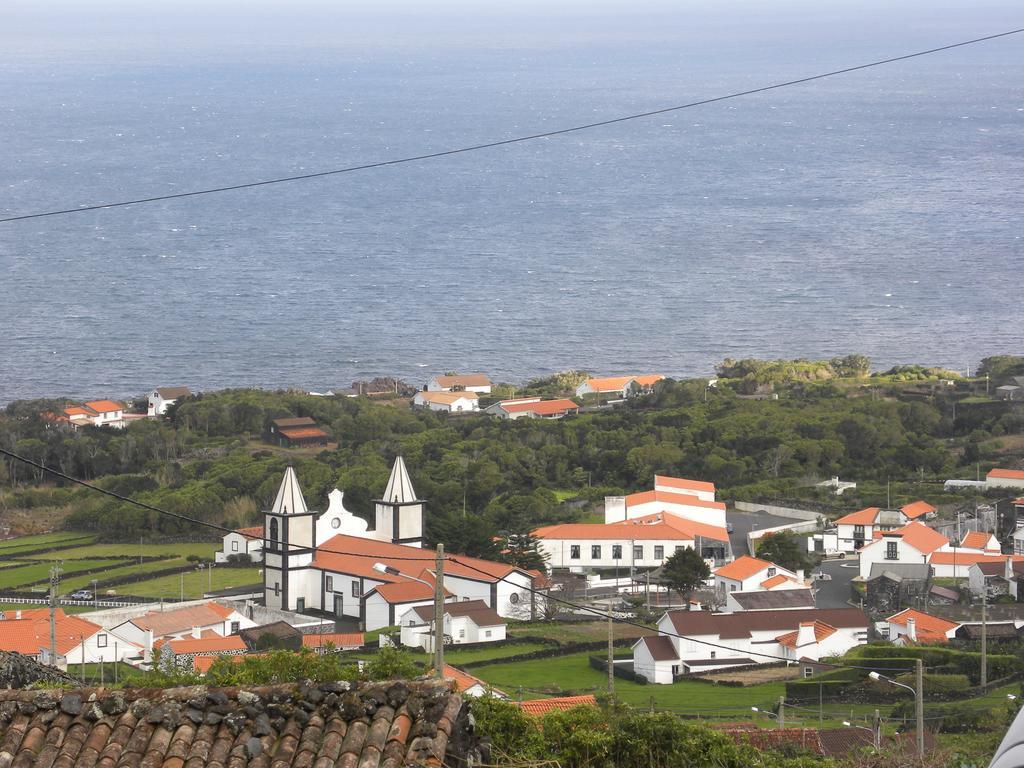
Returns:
point(876, 731)
point(437, 631)
point(95, 596)
point(779, 718)
point(918, 692)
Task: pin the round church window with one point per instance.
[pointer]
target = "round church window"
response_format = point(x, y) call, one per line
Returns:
point(513, 598)
point(336, 522)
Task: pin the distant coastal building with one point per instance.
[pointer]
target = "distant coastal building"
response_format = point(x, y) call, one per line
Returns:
point(532, 408)
point(1005, 478)
point(621, 386)
point(95, 413)
point(448, 402)
point(297, 432)
point(464, 382)
point(163, 398)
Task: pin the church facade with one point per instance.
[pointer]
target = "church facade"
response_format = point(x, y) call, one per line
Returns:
point(334, 562)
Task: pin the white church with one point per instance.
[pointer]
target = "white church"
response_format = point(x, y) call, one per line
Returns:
point(335, 562)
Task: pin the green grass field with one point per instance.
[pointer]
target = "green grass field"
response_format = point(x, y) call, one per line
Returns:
point(575, 632)
point(10, 607)
point(36, 573)
point(29, 543)
point(196, 583)
point(129, 549)
point(456, 656)
point(129, 569)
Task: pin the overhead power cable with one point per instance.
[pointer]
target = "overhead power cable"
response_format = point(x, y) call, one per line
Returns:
point(505, 142)
point(448, 558)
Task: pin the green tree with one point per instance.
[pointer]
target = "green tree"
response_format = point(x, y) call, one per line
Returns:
point(783, 549)
point(684, 571)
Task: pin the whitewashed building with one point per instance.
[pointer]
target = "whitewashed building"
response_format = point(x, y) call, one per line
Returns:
point(162, 398)
point(242, 541)
point(698, 641)
point(912, 543)
point(752, 574)
point(913, 626)
point(465, 382)
point(448, 402)
point(78, 640)
point(1005, 478)
point(532, 408)
point(619, 386)
point(468, 621)
point(196, 622)
point(690, 499)
point(349, 573)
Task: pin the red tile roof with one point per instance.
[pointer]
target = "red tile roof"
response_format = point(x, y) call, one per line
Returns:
point(543, 706)
point(31, 632)
point(404, 592)
point(104, 406)
point(252, 532)
point(669, 497)
point(299, 433)
point(742, 623)
point(975, 540)
point(659, 647)
point(865, 516)
point(959, 557)
point(1009, 474)
point(916, 509)
point(463, 681)
point(774, 581)
point(743, 567)
point(613, 532)
point(922, 538)
point(541, 408)
point(339, 640)
point(821, 631)
point(463, 380)
point(928, 628)
point(684, 525)
point(447, 398)
point(683, 484)
point(202, 664)
point(77, 410)
point(182, 619)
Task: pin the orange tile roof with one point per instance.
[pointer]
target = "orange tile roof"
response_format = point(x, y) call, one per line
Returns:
point(32, 631)
point(683, 484)
point(207, 644)
point(916, 509)
point(774, 581)
point(1009, 474)
point(77, 410)
point(202, 664)
point(543, 706)
point(104, 406)
point(20, 636)
point(681, 524)
point(404, 591)
point(463, 681)
point(297, 433)
point(821, 631)
point(928, 628)
point(975, 540)
point(447, 398)
point(743, 567)
point(617, 383)
point(337, 639)
point(463, 380)
point(542, 407)
point(957, 557)
point(922, 538)
point(253, 532)
point(862, 517)
point(669, 497)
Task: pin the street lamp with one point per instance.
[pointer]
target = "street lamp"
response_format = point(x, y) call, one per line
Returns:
point(780, 717)
point(918, 692)
point(438, 586)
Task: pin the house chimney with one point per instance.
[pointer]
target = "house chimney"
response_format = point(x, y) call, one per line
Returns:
point(912, 630)
point(17, 614)
point(805, 635)
point(799, 574)
point(196, 633)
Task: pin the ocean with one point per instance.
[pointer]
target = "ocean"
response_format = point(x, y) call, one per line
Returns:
point(877, 212)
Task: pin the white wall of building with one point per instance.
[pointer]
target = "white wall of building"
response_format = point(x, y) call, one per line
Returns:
point(237, 544)
point(559, 552)
point(878, 552)
point(658, 672)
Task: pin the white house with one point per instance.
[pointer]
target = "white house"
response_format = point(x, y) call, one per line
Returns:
point(449, 402)
point(744, 638)
point(690, 499)
point(347, 573)
point(243, 541)
point(469, 621)
point(78, 640)
point(644, 542)
point(532, 408)
point(195, 622)
point(466, 382)
point(467, 685)
point(109, 413)
point(913, 626)
point(1005, 478)
point(955, 563)
point(858, 528)
point(162, 398)
point(620, 386)
point(751, 574)
point(1018, 541)
point(981, 541)
point(913, 543)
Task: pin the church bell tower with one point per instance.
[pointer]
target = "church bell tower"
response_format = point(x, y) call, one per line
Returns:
point(399, 513)
point(289, 532)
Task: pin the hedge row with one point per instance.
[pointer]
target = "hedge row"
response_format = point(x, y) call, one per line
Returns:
point(600, 663)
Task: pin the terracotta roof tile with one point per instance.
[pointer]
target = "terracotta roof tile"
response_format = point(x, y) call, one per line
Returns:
point(463, 380)
point(298, 433)
point(670, 497)
point(922, 538)
point(975, 540)
point(208, 644)
point(617, 383)
point(446, 398)
point(958, 557)
point(928, 628)
point(916, 509)
point(743, 567)
point(337, 639)
point(182, 619)
point(1008, 474)
point(252, 532)
point(463, 681)
point(775, 581)
point(660, 647)
point(684, 525)
point(861, 517)
point(477, 611)
point(542, 407)
point(683, 484)
point(381, 724)
point(104, 406)
point(294, 421)
point(543, 706)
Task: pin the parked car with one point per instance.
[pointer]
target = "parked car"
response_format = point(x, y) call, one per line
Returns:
point(82, 594)
point(728, 527)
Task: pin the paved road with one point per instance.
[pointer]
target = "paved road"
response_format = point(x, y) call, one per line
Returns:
point(836, 592)
point(744, 522)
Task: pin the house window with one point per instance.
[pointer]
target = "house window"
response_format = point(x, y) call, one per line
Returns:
point(574, 551)
point(462, 634)
point(771, 572)
point(808, 671)
point(679, 548)
point(487, 633)
point(329, 583)
point(616, 551)
point(659, 552)
point(732, 587)
point(356, 591)
point(277, 589)
point(713, 654)
point(638, 552)
point(273, 531)
point(891, 552)
point(595, 551)
point(101, 641)
point(234, 546)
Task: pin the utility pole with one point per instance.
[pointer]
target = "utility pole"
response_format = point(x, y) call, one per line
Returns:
point(782, 713)
point(919, 709)
point(439, 613)
point(181, 594)
point(878, 732)
point(54, 584)
point(611, 652)
point(984, 634)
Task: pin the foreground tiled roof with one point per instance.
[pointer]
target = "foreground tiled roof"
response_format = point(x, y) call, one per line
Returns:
point(743, 567)
point(915, 509)
point(928, 628)
point(384, 725)
point(336, 639)
point(861, 517)
point(543, 706)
